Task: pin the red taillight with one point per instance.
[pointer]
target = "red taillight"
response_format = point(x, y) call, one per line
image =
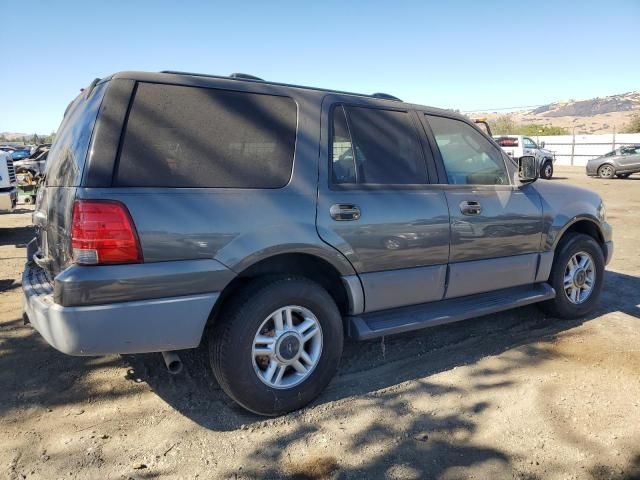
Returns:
point(102, 232)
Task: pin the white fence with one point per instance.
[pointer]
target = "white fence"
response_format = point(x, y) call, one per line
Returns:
point(577, 149)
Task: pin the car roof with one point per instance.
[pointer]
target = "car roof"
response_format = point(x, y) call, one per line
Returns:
point(202, 79)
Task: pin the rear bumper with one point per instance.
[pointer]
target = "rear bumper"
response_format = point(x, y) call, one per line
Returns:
point(125, 327)
point(8, 200)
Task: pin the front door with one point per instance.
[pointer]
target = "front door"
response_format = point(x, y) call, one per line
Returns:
point(496, 226)
point(629, 158)
point(375, 204)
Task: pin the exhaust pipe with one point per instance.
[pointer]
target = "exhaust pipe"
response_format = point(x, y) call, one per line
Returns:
point(173, 362)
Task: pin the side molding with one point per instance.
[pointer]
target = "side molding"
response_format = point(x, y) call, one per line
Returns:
point(355, 294)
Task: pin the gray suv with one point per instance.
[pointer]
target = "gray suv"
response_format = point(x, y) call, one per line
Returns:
point(272, 221)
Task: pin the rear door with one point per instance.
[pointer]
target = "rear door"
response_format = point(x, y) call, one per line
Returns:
point(66, 160)
point(375, 203)
point(496, 226)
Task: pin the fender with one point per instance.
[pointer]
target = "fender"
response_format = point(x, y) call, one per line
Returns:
point(255, 246)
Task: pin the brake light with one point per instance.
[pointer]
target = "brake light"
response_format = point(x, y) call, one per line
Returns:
point(103, 232)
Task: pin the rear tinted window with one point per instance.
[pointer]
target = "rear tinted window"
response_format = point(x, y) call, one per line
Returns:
point(375, 146)
point(180, 136)
point(507, 142)
point(69, 150)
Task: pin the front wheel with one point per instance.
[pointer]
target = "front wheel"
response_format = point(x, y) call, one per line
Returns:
point(277, 344)
point(606, 171)
point(577, 276)
point(546, 171)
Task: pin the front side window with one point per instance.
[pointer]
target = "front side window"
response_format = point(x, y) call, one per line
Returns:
point(528, 143)
point(468, 157)
point(376, 147)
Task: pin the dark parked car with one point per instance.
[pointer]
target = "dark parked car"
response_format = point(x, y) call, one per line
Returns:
point(621, 163)
point(272, 220)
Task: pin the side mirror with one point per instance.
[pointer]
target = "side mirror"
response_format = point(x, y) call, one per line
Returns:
point(527, 169)
point(542, 144)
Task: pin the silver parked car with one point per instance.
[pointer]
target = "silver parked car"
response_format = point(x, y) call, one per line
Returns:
point(621, 162)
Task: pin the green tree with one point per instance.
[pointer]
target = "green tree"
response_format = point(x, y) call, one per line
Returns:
point(503, 125)
point(633, 126)
point(506, 125)
point(536, 129)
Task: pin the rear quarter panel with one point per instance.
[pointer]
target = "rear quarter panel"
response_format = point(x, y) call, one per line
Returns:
point(237, 227)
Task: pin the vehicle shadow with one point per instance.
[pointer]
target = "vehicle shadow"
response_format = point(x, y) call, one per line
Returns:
point(370, 366)
point(7, 284)
point(17, 236)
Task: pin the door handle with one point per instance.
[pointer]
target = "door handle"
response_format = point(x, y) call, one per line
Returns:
point(344, 211)
point(470, 207)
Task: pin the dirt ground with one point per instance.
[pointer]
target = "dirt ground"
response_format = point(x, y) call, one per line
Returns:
point(512, 395)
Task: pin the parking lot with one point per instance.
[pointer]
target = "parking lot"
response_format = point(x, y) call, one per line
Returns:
point(513, 395)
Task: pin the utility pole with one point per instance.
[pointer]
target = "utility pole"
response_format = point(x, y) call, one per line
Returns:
point(573, 145)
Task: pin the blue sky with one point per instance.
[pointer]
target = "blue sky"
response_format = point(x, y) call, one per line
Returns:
point(453, 54)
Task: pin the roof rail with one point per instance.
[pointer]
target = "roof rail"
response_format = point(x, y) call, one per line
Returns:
point(252, 78)
point(245, 76)
point(87, 91)
point(237, 76)
point(191, 74)
point(386, 96)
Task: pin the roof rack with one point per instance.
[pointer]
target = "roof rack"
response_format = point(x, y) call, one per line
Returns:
point(386, 96)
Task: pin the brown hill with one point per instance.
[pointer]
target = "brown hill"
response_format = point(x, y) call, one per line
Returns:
point(596, 115)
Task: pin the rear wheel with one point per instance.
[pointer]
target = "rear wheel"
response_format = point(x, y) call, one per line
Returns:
point(606, 171)
point(577, 276)
point(277, 344)
point(546, 171)
point(623, 175)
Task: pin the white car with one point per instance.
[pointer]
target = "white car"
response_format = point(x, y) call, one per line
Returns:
point(517, 146)
point(8, 184)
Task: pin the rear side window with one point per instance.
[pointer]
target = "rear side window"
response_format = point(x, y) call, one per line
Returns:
point(375, 146)
point(69, 150)
point(179, 136)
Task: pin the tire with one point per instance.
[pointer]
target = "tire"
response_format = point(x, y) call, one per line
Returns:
point(243, 373)
point(623, 175)
point(606, 171)
point(546, 171)
point(572, 245)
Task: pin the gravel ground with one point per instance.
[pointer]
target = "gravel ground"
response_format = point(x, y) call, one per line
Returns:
point(513, 395)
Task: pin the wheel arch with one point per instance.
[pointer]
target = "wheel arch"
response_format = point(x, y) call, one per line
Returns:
point(584, 225)
point(346, 290)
